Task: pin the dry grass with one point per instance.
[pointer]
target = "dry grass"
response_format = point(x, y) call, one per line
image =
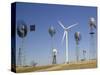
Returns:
point(79, 65)
point(31, 69)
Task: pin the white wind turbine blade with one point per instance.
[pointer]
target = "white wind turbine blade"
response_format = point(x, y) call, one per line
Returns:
point(63, 36)
point(61, 24)
point(72, 25)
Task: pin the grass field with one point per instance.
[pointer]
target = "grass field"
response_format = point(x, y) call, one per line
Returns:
point(73, 65)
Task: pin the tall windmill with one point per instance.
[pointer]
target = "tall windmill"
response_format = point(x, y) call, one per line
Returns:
point(66, 29)
point(52, 32)
point(92, 27)
point(77, 39)
point(22, 32)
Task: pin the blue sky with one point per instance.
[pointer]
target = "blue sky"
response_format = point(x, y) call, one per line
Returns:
point(37, 44)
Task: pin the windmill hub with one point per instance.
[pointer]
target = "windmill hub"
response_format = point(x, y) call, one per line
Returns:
point(52, 31)
point(66, 29)
point(22, 29)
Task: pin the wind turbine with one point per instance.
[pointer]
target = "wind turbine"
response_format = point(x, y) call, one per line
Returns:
point(66, 29)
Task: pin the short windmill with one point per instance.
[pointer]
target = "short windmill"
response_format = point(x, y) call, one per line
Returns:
point(77, 39)
point(66, 29)
point(52, 32)
point(54, 56)
point(22, 32)
point(84, 55)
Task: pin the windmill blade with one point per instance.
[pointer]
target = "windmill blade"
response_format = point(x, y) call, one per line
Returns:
point(61, 24)
point(72, 26)
point(63, 36)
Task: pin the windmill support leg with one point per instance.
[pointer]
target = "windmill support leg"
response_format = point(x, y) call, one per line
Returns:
point(22, 54)
point(19, 57)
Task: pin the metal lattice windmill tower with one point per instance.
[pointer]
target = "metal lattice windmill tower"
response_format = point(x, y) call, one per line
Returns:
point(84, 55)
point(22, 32)
point(77, 39)
point(52, 32)
point(92, 27)
point(66, 29)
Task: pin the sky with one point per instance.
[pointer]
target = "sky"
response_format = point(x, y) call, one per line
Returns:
point(37, 44)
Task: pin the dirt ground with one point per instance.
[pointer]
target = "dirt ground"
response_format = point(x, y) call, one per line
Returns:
point(73, 65)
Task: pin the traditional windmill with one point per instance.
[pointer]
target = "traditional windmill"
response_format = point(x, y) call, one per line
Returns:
point(22, 33)
point(92, 27)
point(52, 32)
point(77, 39)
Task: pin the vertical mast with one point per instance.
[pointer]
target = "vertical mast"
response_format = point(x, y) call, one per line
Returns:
point(66, 61)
